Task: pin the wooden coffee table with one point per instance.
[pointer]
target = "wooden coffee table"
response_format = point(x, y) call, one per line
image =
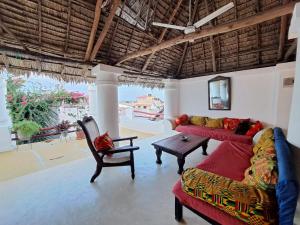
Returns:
point(176, 146)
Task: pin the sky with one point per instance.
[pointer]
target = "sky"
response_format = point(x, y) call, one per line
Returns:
point(126, 93)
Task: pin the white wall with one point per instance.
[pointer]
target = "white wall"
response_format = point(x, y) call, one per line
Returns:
point(256, 94)
point(283, 96)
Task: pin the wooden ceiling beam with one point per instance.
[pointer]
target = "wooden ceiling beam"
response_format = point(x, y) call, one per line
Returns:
point(163, 33)
point(11, 34)
point(290, 51)
point(223, 28)
point(283, 31)
point(108, 22)
point(94, 30)
point(187, 43)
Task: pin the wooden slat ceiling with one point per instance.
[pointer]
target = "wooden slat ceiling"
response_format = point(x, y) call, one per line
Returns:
point(57, 32)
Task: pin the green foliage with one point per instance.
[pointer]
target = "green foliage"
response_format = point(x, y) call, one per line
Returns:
point(27, 128)
point(28, 106)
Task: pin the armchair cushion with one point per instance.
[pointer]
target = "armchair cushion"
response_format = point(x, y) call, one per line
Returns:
point(117, 158)
point(103, 143)
point(246, 203)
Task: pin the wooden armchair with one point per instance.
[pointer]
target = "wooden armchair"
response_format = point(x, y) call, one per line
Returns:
point(119, 156)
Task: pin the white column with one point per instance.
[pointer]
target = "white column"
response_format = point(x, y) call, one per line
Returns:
point(171, 92)
point(92, 92)
point(294, 122)
point(5, 123)
point(107, 99)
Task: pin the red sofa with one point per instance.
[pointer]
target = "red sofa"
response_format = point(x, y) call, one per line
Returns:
point(217, 134)
point(219, 162)
point(230, 160)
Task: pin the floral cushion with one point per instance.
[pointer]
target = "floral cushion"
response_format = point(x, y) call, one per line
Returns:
point(262, 174)
point(246, 203)
point(103, 143)
point(268, 153)
point(231, 123)
point(214, 123)
point(198, 120)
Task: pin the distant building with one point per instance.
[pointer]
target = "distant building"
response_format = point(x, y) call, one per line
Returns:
point(148, 103)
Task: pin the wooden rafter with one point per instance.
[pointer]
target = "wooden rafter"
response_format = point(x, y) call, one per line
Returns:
point(40, 21)
point(290, 50)
point(7, 30)
point(182, 58)
point(68, 25)
point(115, 29)
point(163, 33)
point(187, 43)
point(283, 31)
point(224, 28)
point(94, 29)
point(106, 27)
point(211, 41)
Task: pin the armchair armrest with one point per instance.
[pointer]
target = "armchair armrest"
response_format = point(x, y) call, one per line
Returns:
point(245, 202)
point(121, 149)
point(126, 139)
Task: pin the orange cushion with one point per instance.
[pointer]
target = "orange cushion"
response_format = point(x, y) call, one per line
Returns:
point(103, 142)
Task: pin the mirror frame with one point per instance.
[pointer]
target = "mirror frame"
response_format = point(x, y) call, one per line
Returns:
point(218, 78)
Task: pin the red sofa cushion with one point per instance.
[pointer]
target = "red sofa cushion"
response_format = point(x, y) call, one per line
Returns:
point(231, 123)
point(230, 159)
point(218, 134)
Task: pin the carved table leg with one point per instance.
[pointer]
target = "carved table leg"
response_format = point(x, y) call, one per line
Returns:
point(158, 156)
point(181, 162)
point(204, 148)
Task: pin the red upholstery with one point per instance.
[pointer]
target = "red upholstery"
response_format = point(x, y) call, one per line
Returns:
point(230, 159)
point(218, 134)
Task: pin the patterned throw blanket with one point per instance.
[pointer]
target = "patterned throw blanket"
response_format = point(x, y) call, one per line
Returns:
point(245, 202)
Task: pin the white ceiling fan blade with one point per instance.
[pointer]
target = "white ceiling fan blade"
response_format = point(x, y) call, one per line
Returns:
point(168, 26)
point(213, 15)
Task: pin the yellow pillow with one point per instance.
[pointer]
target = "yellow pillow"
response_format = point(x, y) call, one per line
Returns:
point(265, 141)
point(268, 134)
point(214, 123)
point(198, 120)
point(268, 143)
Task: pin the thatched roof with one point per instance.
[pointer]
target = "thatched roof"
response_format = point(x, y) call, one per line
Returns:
point(51, 37)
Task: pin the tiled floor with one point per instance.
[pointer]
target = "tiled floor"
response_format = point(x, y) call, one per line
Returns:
point(62, 195)
point(34, 157)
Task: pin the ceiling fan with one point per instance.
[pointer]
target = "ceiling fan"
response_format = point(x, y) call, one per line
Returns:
point(190, 28)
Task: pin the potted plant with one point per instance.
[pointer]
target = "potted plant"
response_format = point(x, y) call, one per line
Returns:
point(63, 127)
point(26, 129)
point(79, 133)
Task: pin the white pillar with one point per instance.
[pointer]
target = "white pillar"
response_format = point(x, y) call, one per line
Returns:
point(294, 122)
point(107, 99)
point(5, 123)
point(171, 92)
point(92, 92)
